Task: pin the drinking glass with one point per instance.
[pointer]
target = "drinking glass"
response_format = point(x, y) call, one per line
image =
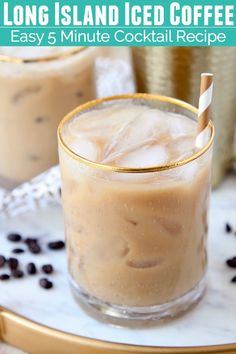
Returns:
point(136, 237)
point(35, 92)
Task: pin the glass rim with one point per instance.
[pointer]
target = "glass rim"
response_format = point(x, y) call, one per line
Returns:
point(124, 169)
point(18, 60)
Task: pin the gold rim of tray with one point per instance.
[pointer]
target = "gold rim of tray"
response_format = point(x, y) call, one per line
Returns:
point(37, 339)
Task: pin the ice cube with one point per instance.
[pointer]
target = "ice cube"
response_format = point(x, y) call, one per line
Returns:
point(131, 135)
point(179, 125)
point(145, 126)
point(104, 123)
point(181, 148)
point(84, 147)
point(145, 156)
point(145, 263)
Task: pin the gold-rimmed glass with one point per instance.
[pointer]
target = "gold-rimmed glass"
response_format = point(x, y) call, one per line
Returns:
point(35, 92)
point(114, 213)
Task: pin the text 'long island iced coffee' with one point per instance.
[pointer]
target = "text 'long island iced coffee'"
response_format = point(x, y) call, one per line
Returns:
point(135, 195)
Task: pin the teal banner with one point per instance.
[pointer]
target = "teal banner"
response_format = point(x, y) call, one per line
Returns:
point(117, 23)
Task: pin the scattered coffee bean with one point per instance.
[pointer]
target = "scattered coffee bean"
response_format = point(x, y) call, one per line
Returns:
point(45, 283)
point(4, 277)
point(2, 261)
point(56, 245)
point(18, 250)
point(31, 268)
point(231, 262)
point(17, 273)
point(29, 240)
point(228, 228)
point(13, 237)
point(233, 280)
point(47, 268)
point(33, 245)
point(34, 248)
point(13, 263)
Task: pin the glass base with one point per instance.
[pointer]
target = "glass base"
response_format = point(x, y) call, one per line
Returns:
point(102, 310)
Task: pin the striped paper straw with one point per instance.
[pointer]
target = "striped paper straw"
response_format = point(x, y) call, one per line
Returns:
point(205, 100)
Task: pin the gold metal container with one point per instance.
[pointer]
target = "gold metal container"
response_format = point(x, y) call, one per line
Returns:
point(175, 72)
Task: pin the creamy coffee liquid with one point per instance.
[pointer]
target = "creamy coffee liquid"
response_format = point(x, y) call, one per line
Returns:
point(134, 239)
point(34, 97)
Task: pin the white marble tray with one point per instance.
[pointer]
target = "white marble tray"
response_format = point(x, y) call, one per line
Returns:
point(212, 322)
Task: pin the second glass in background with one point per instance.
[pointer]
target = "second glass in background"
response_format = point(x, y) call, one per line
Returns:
point(37, 87)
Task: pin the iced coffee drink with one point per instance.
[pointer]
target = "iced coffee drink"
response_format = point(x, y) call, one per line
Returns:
point(135, 196)
point(37, 87)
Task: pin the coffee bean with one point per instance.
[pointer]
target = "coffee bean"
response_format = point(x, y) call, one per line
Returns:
point(17, 273)
point(228, 228)
point(13, 263)
point(2, 261)
point(31, 268)
point(34, 248)
point(47, 268)
point(56, 245)
point(13, 237)
point(231, 262)
point(29, 240)
point(4, 277)
point(45, 283)
point(233, 280)
point(18, 250)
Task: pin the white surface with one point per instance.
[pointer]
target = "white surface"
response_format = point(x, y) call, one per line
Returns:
point(6, 349)
point(211, 322)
